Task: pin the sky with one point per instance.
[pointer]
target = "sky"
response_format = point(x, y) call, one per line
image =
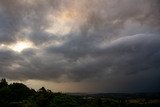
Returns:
point(81, 45)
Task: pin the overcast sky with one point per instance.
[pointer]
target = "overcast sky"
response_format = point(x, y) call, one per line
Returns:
point(81, 45)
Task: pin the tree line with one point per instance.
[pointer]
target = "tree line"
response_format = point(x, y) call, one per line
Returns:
point(19, 95)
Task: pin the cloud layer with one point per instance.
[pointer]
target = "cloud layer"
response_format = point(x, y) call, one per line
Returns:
point(82, 42)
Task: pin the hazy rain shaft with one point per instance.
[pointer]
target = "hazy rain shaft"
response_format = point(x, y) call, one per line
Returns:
point(100, 45)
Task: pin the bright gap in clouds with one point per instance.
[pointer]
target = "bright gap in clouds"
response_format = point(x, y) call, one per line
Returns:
point(20, 46)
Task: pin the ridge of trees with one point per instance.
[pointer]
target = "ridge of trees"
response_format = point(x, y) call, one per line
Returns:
point(19, 95)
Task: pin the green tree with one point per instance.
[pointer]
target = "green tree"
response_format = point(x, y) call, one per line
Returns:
point(63, 100)
point(19, 92)
point(42, 90)
point(43, 97)
point(3, 83)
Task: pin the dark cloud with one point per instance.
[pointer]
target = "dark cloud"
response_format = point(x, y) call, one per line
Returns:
point(83, 41)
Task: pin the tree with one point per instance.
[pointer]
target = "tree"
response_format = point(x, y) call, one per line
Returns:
point(43, 97)
point(19, 91)
point(64, 100)
point(43, 90)
point(3, 83)
point(99, 102)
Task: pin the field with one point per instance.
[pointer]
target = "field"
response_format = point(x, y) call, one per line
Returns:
point(122, 100)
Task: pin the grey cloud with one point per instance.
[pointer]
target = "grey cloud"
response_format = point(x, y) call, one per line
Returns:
point(17, 15)
point(9, 22)
point(7, 58)
point(112, 40)
point(128, 55)
point(106, 18)
point(8, 55)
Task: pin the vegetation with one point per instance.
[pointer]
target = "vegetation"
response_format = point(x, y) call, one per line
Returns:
point(19, 95)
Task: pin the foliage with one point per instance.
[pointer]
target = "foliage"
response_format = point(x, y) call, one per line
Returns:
point(64, 100)
point(19, 95)
point(3, 83)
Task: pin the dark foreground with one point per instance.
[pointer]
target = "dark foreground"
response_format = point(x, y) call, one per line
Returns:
point(19, 95)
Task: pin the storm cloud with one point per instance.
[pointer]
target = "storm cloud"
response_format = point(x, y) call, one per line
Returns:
point(97, 42)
